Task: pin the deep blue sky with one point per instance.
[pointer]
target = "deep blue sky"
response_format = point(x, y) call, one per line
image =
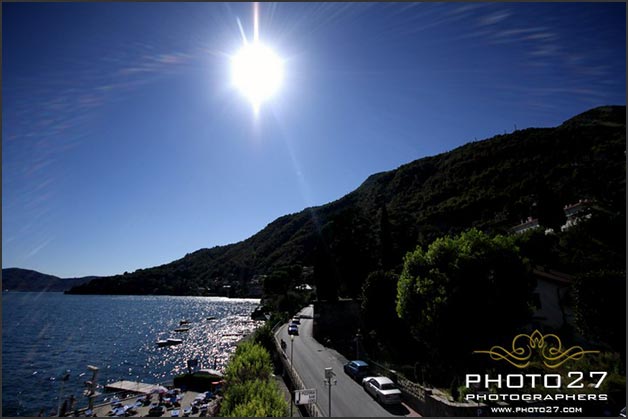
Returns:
point(125, 146)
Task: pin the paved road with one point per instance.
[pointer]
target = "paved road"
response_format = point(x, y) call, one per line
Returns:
point(348, 398)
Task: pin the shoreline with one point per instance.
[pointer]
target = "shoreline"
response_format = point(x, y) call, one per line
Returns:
point(131, 325)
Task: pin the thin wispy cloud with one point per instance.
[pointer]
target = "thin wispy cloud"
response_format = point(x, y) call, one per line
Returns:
point(544, 50)
point(156, 63)
point(517, 32)
point(540, 36)
point(540, 45)
point(62, 102)
point(493, 18)
point(466, 8)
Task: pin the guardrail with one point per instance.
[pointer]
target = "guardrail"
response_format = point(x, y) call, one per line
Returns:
point(403, 383)
point(312, 409)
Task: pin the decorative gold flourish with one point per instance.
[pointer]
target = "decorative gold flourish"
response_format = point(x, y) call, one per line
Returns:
point(548, 346)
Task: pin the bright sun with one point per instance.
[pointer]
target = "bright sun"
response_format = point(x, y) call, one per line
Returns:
point(257, 72)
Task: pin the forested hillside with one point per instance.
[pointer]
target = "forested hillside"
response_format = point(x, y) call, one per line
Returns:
point(15, 279)
point(491, 185)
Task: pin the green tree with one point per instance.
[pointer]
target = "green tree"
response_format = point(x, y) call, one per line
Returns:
point(278, 282)
point(325, 273)
point(379, 293)
point(539, 248)
point(463, 292)
point(250, 391)
point(256, 398)
point(386, 243)
point(264, 336)
point(594, 244)
point(250, 361)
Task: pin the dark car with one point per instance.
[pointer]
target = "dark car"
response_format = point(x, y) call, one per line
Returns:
point(293, 329)
point(356, 369)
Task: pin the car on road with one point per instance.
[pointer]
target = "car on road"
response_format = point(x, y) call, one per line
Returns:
point(293, 329)
point(356, 369)
point(296, 320)
point(382, 389)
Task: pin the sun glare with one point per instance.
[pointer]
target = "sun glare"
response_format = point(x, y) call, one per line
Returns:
point(257, 72)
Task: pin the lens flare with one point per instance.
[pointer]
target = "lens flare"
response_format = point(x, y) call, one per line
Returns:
point(257, 72)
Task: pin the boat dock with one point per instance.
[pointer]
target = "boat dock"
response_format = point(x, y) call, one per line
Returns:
point(132, 387)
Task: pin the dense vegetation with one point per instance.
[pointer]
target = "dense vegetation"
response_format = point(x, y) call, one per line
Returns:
point(457, 278)
point(471, 290)
point(490, 185)
point(250, 390)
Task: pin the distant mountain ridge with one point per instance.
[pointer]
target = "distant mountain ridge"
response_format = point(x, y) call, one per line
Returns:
point(16, 279)
point(491, 184)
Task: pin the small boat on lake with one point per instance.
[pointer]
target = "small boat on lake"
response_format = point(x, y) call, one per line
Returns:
point(181, 329)
point(184, 322)
point(169, 342)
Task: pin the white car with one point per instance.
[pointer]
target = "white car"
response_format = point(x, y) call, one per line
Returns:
point(382, 389)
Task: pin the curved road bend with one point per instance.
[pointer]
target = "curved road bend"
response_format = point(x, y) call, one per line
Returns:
point(348, 398)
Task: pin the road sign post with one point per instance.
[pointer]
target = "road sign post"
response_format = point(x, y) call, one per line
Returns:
point(305, 396)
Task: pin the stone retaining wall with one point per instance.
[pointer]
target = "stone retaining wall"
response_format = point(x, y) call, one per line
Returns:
point(426, 401)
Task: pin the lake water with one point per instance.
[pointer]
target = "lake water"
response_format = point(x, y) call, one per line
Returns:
point(46, 334)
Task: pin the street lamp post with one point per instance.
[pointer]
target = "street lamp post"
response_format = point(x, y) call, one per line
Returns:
point(358, 337)
point(329, 380)
point(291, 373)
point(329, 395)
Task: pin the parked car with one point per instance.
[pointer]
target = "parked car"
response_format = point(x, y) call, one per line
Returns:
point(356, 369)
point(382, 389)
point(293, 329)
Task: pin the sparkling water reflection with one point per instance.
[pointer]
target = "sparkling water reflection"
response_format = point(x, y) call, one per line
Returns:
point(45, 334)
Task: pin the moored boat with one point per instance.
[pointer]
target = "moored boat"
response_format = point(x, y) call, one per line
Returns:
point(169, 342)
